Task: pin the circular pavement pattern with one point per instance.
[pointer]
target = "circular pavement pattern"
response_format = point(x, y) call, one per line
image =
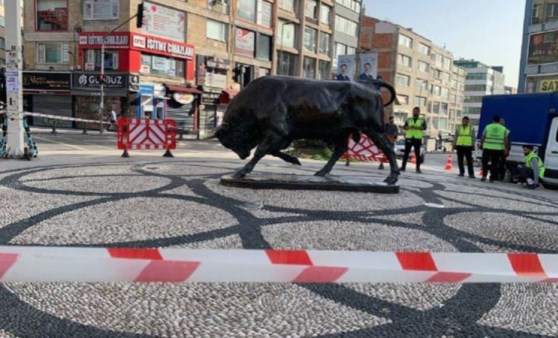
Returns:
point(179, 204)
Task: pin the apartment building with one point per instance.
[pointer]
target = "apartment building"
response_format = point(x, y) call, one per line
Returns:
point(538, 71)
point(481, 80)
point(423, 75)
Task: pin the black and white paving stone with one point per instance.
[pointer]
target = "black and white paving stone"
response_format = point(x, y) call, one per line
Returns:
point(179, 203)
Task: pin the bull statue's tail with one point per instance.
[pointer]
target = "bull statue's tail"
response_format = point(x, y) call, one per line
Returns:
point(390, 89)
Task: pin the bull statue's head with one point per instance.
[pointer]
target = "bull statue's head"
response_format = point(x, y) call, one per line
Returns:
point(238, 139)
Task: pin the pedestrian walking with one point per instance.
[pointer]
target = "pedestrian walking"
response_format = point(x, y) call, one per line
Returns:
point(464, 143)
point(414, 127)
point(494, 143)
point(391, 131)
point(532, 173)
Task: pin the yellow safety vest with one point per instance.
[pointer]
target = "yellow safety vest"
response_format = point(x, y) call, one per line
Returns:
point(464, 137)
point(415, 129)
point(528, 164)
point(494, 137)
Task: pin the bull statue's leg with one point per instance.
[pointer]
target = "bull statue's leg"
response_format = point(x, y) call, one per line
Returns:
point(340, 148)
point(381, 141)
point(286, 157)
point(270, 144)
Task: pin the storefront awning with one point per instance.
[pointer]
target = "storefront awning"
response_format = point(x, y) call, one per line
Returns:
point(227, 95)
point(183, 89)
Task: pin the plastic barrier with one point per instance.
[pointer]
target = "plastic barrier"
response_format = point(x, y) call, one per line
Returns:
point(364, 150)
point(146, 134)
point(71, 264)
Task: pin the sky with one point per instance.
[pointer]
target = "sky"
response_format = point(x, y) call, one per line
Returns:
point(489, 31)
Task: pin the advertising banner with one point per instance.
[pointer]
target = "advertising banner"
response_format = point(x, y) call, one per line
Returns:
point(245, 42)
point(548, 85)
point(543, 48)
point(165, 22)
point(345, 67)
point(368, 66)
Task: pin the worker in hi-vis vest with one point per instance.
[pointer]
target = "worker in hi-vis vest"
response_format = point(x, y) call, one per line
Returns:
point(532, 172)
point(494, 145)
point(464, 143)
point(414, 127)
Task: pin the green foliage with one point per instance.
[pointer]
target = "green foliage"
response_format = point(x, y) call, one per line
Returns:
point(312, 149)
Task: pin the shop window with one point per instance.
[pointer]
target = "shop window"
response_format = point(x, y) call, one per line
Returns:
point(100, 9)
point(52, 15)
point(263, 48)
point(216, 30)
point(52, 53)
point(160, 65)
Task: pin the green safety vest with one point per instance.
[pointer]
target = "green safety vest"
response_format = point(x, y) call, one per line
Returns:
point(464, 137)
point(495, 136)
point(528, 164)
point(415, 129)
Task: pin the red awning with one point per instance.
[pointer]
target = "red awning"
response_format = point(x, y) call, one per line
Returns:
point(227, 95)
point(182, 89)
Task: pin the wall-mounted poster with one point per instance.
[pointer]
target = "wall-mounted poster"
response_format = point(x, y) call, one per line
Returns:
point(245, 42)
point(165, 22)
point(368, 66)
point(345, 67)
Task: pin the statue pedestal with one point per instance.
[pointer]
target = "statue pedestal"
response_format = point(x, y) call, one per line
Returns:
point(308, 182)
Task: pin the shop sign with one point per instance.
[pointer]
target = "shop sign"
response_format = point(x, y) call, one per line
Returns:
point(162, 46)
point(46, 81)
point(91, 81)
point(548, 85)
point(183, 98)
point(112, 41)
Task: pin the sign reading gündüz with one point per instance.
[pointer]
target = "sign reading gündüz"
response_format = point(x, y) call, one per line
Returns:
point(91, 81)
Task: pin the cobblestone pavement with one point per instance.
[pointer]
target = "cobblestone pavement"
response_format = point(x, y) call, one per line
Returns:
point(179, 203)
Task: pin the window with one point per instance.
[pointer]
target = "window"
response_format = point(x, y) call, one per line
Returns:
point(309, 68)
point(475, 88)
point(263, 47)
point(52, 15)
point(444, 77)
point(289, 5)
point(351, 50)
point(421, 84)
point(352, 4)
point(52, 53)
point(345, 26)
point(264, 13)
point(325, 13)
point(405, 41)
point(420, 101)
point(403, 99)
point(447, 64)
point(404, 60)
point(287, 63)
point(2, 21)
point(424, 49)
point(552, 11)
point(535, 19)
point(160, 65)
point(324, 70)
point(477, 76)
point(310, 39)
point(402, 80)
point(340, 49)
point(310, 9)
point(2, 43)
point(247, 10)
point(93, 56)
point(323, 48)
point(445, 93)
point(286, 34)
point(216, 30)
point(436, 90)
point(423, 66)
point(438, 59)
point(100, 9)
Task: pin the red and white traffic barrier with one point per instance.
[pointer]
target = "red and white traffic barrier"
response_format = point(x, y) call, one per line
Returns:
point(364, 150)
point(146, 134)
point(65, 264)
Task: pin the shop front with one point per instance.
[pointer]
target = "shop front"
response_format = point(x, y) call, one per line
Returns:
point(211, 74)
point(47, 93)
point(183, 106)
point(119, 87)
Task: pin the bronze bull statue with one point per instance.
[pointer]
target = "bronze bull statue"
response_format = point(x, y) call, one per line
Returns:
point(273, 111)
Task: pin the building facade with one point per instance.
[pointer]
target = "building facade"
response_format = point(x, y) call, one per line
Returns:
point(2, 36)
point(186, 62)
point(481, 80)
point(538, 71)
point(347, 27)
point(422, 73)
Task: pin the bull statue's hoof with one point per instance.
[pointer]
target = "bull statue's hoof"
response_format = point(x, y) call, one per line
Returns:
point(391, 179)
point(320, 173)
point(239, 174)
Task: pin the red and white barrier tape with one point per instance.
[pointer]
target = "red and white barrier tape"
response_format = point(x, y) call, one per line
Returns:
point(65, 264)
point(58, 117)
